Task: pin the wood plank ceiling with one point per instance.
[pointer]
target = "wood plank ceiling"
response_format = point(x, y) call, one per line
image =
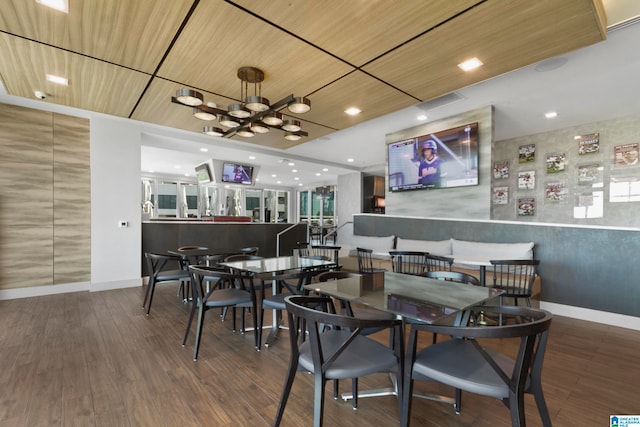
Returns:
point(128, 57)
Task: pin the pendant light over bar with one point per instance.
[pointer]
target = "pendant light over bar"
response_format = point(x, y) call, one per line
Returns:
point(254, 115)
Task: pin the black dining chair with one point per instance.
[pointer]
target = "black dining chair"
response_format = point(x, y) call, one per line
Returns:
point(515, 277)
point(468, 365)
point(439, 263)
point(281, 285)
point(163, 268)
point(409, 262)
point(331, 252)
point(453, 276)
point(365, 261)
point(224, 291)
point(335, 349)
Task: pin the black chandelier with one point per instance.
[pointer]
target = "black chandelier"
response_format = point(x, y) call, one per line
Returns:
point(253, 116)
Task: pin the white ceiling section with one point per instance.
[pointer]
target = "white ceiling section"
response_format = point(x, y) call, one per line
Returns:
point(128, 57)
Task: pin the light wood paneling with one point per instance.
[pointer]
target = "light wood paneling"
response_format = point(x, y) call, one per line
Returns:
point(70, 141)
point(93, 85)
point(26, 256)
point(45, 215)
point(132, 33)
point(20, 143)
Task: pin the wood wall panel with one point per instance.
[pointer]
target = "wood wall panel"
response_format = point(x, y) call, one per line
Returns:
point(26, 256)
point(70, 141)
point(26, 194)
point(45, 198)
point(25, 143)
point(71, 253)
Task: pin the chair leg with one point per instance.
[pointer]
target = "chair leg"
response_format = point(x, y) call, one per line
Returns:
point(152, 287)
point(233, 322)
point(458, 405)
point(318, 399)
point(189, 322)
point(196, 347)
point(354, 387)
point(536, 389)
point(516, 407)
point(291, 375)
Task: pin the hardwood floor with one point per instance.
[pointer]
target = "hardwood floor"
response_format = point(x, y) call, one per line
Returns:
point(94, 359)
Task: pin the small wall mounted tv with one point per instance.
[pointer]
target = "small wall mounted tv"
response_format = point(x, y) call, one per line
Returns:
point(237, 174)
point(203, 173)
point(443, 159)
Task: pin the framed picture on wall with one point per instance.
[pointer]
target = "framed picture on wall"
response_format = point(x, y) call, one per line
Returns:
point(501, 170)
point(526, 206)
point(527, 180)
point(556, 162)
point(555, 192)
point(527, 153)
point(625, 155)
point(590, 174)
point(500, 195)
point(588, 144)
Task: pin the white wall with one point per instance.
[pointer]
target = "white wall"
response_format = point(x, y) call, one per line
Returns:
point(115, 196)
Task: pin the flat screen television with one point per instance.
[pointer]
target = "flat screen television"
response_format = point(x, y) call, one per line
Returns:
point(237, 174)
point(203, 173)
point(443, 159)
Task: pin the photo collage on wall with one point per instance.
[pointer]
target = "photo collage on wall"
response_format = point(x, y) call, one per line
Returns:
point(580, 184)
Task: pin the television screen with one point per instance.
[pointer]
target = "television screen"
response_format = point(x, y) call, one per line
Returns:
point(237, 174)
point(444, 159)
point(203, 173)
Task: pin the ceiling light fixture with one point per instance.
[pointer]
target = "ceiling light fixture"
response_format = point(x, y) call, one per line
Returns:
point(353, 111)
point(551, 115)
point(58, 80)
point(61, 5)
point(254, 115)
point(213, 131)
point(470, 64)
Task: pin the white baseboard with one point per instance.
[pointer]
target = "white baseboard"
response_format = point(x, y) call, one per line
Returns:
point(612, 319)
point(38, 291)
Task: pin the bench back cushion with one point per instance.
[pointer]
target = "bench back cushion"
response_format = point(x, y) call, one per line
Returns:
point(380, 245)
point(492, 250)
point(435, 247)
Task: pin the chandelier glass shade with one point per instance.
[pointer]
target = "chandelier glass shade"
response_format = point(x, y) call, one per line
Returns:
point(254, 116)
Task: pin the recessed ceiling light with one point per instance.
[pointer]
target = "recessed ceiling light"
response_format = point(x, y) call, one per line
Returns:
point(551, 115)
point(422, 117)
point(470, 64)
point(300, 184)
point(273, 175)
point(186, 174)
point(318, 174)
point(58, 80)
point(204, 150)
point(294, 170)
point(291, 164)
point(325, 170)
point(257, 179)
point(353, 111)
point(278, 182)
point(252, 157)
point(296, 178)
point(350, 160)
point(176, 167)
point(61, 5)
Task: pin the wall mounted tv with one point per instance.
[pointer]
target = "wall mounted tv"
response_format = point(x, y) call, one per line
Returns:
point(237, 174)
point(204, 173)
point(443, 159)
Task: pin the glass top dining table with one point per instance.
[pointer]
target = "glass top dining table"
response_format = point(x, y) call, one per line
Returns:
point(412, 297)
point(277, 264)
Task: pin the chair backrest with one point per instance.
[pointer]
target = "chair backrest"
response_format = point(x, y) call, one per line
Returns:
point(303, 249)
point(515, 276)
point(335, 275)
point(157, 262)
point(216, 276)
point(241, 257)
point(454, 276)
point(439, 263)
point(331, 252)
point(365, 262)
point(192, 248)
point(409, 262)
point(253, 250)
